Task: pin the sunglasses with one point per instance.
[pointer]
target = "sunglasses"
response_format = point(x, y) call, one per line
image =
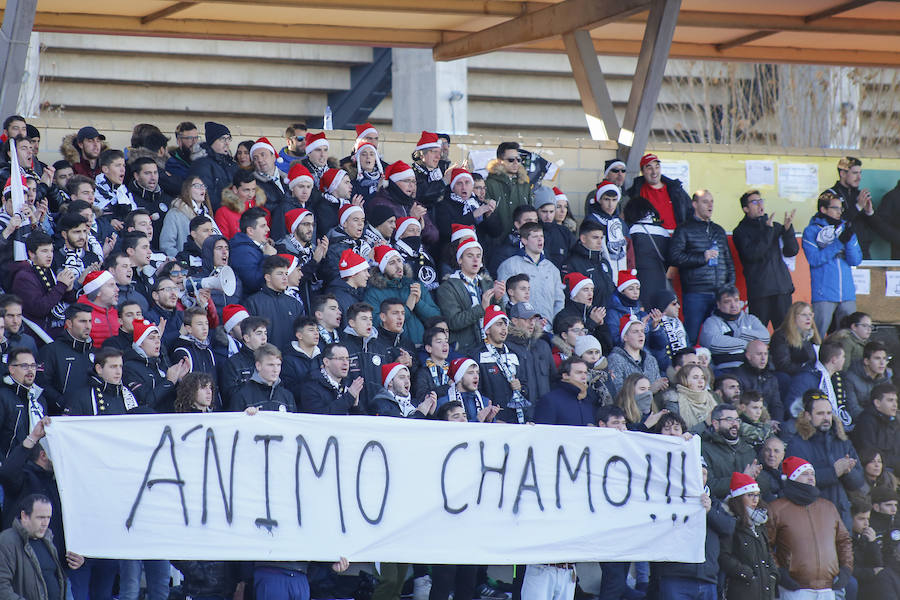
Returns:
point(513, 160)
point(617, 170)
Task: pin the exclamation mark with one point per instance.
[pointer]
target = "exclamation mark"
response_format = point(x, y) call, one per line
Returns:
point(668, 477)
point(683, 489)
point(647, 480)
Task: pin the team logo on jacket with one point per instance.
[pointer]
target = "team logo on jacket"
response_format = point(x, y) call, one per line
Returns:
point(376, 360)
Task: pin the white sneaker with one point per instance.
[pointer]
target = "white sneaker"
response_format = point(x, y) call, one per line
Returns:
point(421, 587)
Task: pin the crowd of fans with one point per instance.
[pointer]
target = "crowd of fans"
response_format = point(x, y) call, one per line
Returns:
point(194, 279)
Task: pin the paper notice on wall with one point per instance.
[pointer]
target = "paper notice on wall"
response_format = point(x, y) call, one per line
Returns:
point(678, 169)
point(798, 182)
point(760, 172)
point(891, 284)
point(862, 280)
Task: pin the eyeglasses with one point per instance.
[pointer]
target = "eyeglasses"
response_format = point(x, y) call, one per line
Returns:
point(168, 288)
point(839, 207)
point(514, 159)
point(192, 138)
point(729, 419)
point(340, 358)
point(757, 201)
point(26, 366)
point(177, 274)
point(862, 326)
point(198, 186)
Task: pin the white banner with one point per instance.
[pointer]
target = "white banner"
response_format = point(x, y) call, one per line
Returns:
point(279, 486)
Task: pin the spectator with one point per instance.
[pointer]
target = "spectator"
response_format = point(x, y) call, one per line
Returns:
point(827, 377)
point(350, 288)
point(74, 253)
point(547, 294)
point(877, 426)
point(146, 176)
point(195, 394)
point(30, 567)
point(637, 403)
point(22, 402)
point(164, 310)
point(264, 389)
point(102, 295)
point(868, 565)
point(563, 215)
point(503, 376)
point(128, 310)
point(873, 469)
point(11, 308)
point(746, 557)
point(631, 357)
point(104, 393)
point(728, 330)
point(408, 242)
point(754, 375)
point(463, 207)
point(215, 254)
point(525, 340)
point(248, 249)
point(812, 547)
point(177, 230)
point(270, 180)
point(588, 349)
point(865, 375)
point(763, 245)
point(193, 345)
point(603, 207)
point(590, 258)
point(399, 197)
point(348, 235)
point(200, 228)
point(855, 331)
point(82, 150)
point(111, 195)
point(695, 401)
point(625, 302)
point(123, 271)
point(299, 242)
point(821, 441)
point(507, 182)
point(566, 332)
point(557, 239)
point(727, 387)
point(212, 162)
point(272, 303)
point(794, 343)
point(771, 455)
point(147, 371)
point(243, 195)
point(239, 367)
point(45, 295)
point(579, 303)
point(434, 375)
point(568, 402)
point(756, 426)
point(831, 248)
point(326, 392)
point(367, 352)
point(302, 356)
point(179, 162)
point(66, 362)
point(136, 246)
point(395, 400)
point(725, 450)
point(700, 250)
point(857, 206)
point(464, 296)
point(656, 206)
point(431, 177)
point(511, 244)
point(396, 346)
point(675, 335)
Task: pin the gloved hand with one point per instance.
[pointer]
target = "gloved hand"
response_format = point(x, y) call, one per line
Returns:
point(786, 581)
point(846, 234)
point(843, 578)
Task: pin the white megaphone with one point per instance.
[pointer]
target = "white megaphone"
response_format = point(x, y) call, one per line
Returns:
point(221, 278)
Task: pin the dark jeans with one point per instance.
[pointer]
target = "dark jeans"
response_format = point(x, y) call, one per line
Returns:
point(458, 580)
point(614, 581)
point(682, 588)
point(94, 579)
point(270, 583)
point(770, 308)
point(697, 306)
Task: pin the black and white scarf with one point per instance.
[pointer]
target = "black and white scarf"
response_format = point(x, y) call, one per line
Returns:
point(469, 204)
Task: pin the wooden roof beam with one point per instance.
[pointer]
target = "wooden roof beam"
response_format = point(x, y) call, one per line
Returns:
point(473, 8)
point(165, 12)
point(727, 20)
point(553, 21)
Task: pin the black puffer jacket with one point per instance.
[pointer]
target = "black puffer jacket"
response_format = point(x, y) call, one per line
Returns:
point(689, 243)
point(594, 265)
point(764, 382)
point(216, 171)
point(280, 309)
point(67, 365)
point(748, 564)
point(102, 398)
point(263, 396)
point(235, 371)
point(760, 250)
point(14, 421)
point(319, 397)
point(146, 377)
point(681, 201)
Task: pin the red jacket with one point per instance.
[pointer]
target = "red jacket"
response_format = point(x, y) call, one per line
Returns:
point(104, 321)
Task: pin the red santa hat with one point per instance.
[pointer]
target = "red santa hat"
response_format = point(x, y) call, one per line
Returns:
point(575, 283)
point(428, 140)
point(347, 210)
point(603, 187)
point(648, 158)
point(358, 152)
point(294, 217)
point(492, 314)
point(330, 179)
point(458, 232)
point(363, 130)
point(298, 174)
point(383, 255)
point(399, 171)
point(233, 314)
point(293, 260)
point(7, 188)
point(742, 484)
point(95, 280)
point(792, 467)
point(626, 322)
point(558, 194)
point(389, 371)
point(351, 263)
point(315, 140)
point(459, 366)
point(262, 143)
point(404, 223)
point(465, 244)
point(141, 330)
point(459, 174)
point(627, 278)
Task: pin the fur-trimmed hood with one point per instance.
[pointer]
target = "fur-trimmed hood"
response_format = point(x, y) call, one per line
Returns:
point(136, 153)
point(563, 345)
point(806, 430)
point(379, 280)
point(71, 152)
point(495, 167)
point(230, 199)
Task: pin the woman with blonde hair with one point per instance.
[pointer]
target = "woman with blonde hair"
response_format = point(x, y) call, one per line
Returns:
point(636, 400)
point(795, 344)
point(695, 401)
point(193, 202)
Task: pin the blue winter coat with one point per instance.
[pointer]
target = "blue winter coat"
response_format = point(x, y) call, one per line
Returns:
point(246, 261)
point(561, 406)
point(830, 261)
point(619, 306)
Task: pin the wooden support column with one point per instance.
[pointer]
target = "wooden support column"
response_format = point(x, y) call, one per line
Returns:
point(598, 106)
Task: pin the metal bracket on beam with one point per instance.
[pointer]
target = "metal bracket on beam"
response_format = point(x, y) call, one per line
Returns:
point(647, 81)
point(595, 99)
